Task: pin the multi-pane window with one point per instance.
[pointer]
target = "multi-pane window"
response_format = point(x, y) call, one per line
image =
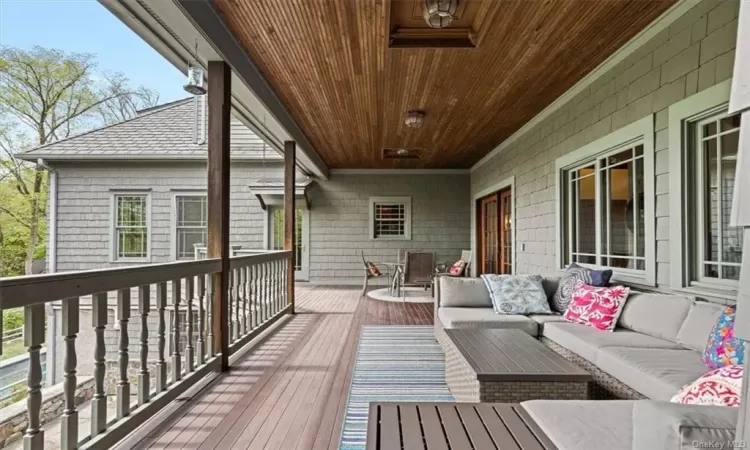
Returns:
point(131, 226)
point(718, 247)
point(277, 234)
point(191, 223)
point(390, 218)
point(604, 214)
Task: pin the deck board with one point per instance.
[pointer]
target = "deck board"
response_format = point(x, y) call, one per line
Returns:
point(290, 391)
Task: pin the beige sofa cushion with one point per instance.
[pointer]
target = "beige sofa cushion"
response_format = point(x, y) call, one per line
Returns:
point(698, 324)
point(585, 424)
point(672, 426)
point(656, 373)
point(657, 315)
point(485, 318)
point(586, 341)
point(463, 292)
point(543, 319)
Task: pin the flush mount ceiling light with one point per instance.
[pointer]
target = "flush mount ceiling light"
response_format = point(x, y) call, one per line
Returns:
point(439, 13)
point(414, 119)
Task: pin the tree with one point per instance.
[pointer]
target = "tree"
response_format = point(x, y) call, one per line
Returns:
point(47, 95)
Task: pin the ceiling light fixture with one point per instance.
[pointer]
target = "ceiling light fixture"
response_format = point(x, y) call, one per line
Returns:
point(414, 119)
point(195, 84)
point(439, 13)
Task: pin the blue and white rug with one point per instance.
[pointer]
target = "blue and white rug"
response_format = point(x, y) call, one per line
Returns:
point(394, 363)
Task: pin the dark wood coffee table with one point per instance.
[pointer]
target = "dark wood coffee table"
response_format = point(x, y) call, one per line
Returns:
point(490, 365)
point(443, 426)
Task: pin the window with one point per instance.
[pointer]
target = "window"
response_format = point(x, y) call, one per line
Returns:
point(131, 226)
point(705, 252)
point(718, 247)
point(190, 224)
point(606, 204)
point(390, 218)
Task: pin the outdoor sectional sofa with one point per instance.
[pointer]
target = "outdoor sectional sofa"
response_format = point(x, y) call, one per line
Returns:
point(653, 352)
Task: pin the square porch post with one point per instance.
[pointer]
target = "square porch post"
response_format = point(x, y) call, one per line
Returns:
point(290, 219)
point(219, 106)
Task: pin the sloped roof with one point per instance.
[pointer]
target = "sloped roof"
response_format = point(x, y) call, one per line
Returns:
point(165, 132)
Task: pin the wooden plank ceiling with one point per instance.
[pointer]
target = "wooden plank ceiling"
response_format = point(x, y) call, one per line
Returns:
point(330, 62)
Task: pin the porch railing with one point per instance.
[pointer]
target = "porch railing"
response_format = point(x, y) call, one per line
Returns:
point(257, 296)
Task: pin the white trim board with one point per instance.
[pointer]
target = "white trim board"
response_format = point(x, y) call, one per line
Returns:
point(642, 129)
point(705, 103)
point(509, 182)
point(661, 23)
point(398, 171)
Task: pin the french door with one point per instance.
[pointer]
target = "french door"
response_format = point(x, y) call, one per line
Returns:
point(494, 233)
point(276, 238)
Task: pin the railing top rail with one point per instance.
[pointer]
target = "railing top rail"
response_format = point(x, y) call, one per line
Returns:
point(268, 256)
point(34, 289)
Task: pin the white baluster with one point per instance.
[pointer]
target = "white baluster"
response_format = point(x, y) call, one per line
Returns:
point(229, 306)
point(210, 351)
point(201, 343)
point(123, 385)
point(189, 350)
point(33, 338)
point(144, 377)
point(70, 328)
point(237, 299)
point(176, 360)
point(99, 313)
point(161, 340)
point(254, 296)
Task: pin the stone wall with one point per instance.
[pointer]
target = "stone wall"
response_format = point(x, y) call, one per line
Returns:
point(14, 419)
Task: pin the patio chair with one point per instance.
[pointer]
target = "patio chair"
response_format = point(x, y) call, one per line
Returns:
point(418, 270)
point(373, 271)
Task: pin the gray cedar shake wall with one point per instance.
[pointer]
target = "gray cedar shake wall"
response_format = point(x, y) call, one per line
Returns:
point(693, 54)
point(339, 221)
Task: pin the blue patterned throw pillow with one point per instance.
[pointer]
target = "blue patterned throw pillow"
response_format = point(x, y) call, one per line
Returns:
point(573, 274)
point(517, 294)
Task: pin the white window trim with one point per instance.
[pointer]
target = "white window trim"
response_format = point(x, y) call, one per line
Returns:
point(114, 193)
point(643, 130)
point(407, 225)
point(173, 224)
point(509, 182)
point(704, 104)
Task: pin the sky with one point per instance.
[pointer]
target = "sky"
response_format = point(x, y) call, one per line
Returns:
point(85, 26)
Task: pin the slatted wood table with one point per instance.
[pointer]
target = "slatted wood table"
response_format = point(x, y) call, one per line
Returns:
point(486, 365)
point(443, 426)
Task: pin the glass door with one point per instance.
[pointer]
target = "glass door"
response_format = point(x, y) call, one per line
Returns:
point(490, 243)
point(506, 241)
point(276, 238)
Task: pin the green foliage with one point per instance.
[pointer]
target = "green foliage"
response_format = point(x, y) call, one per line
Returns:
point(12, 319)
point(17, 393)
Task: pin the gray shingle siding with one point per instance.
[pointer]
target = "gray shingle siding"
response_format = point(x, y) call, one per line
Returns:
point(85, 201)
point(339, 221)
point(694, 53)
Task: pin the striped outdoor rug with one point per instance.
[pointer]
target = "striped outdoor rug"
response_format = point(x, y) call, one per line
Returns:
point(394, 363)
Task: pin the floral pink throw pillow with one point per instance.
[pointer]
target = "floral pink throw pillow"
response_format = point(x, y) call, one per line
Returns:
point(720, 387)
point(597, 307)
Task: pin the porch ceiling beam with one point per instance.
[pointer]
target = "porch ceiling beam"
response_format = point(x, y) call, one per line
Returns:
point(219, 107)
point(207, 20)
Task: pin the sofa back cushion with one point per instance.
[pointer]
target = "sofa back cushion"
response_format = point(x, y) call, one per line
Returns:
point(463, 292)
point(672, 426)
point(657, 315)
point(698, 325)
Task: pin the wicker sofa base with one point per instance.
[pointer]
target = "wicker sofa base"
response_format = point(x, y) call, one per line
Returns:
point(463, 383)
point(605, 386)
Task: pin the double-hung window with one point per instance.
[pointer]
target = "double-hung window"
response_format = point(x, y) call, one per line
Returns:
point(717, 246)
point(606, 204)
point(191, 214)
point(131, 226)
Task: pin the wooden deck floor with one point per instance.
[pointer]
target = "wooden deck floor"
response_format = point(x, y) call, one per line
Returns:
point(289, 392)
